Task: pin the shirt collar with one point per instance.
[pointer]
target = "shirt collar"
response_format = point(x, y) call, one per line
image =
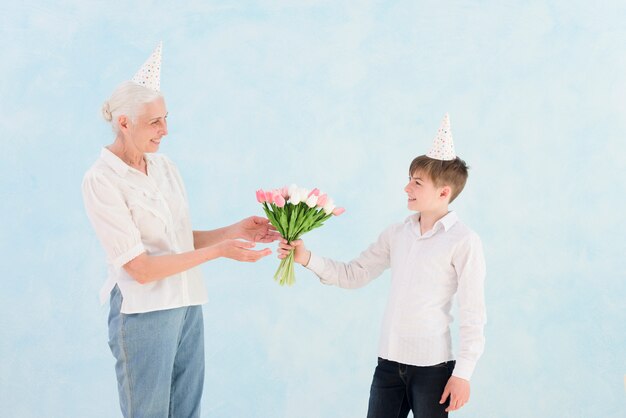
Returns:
point(117, 164)
point(113, 161)
point(446, 222)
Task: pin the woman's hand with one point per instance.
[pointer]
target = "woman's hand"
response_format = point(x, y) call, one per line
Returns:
point(240, 250)
point(256, 229)
point(301, 255)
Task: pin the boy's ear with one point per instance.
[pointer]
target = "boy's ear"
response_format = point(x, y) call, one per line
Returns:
point(446, 192)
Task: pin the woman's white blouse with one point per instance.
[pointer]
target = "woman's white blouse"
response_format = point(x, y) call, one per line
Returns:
point(133, 213)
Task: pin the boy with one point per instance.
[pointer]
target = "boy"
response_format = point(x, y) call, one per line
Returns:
point(432, 256)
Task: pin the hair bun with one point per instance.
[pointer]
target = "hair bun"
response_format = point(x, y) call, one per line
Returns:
point(106, 112)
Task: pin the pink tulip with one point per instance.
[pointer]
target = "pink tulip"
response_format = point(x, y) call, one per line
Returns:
point(321, 200)
point(285, 192)
point(338, 211)
point(314, 192)
point(260, 196)
point(269, 197)
point(279, 200)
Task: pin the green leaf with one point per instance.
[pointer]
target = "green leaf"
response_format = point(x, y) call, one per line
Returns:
point(292, 223)
point(273, 220)
point(283, 221)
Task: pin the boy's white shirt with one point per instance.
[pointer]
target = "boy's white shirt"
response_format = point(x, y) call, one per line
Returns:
point(426, 272)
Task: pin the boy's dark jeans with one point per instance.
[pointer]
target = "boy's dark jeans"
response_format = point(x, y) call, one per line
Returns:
point(399, 388)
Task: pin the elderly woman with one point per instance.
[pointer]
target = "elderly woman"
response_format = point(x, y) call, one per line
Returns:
point(137, 204)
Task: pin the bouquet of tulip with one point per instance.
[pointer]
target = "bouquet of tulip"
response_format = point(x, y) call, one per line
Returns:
point(294, 211)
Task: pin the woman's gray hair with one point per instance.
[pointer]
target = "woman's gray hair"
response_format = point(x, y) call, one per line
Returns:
point(127, 100)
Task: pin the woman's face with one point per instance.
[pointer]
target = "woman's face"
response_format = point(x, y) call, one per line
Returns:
point(150, 126)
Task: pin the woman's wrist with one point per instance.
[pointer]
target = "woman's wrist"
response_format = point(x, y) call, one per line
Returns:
point(212, 252)
point(231, 232)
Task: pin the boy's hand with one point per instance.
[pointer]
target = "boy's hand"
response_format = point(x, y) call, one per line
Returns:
point(459, 391)
point(301, 255)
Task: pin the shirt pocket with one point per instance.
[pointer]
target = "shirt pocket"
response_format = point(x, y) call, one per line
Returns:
point(179, 210)
point(176, 203)
point(149, 214)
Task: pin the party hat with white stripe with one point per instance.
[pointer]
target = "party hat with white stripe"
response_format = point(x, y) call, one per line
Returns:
point(149, 75)
point(443, 147)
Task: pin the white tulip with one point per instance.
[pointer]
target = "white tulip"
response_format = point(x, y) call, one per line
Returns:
point(329, 206)
point(292, 189)
point(297, 196)
point(294, 197)
point(311, 201)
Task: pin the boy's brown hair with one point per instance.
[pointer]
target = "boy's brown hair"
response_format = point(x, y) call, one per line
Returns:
point(451, 173)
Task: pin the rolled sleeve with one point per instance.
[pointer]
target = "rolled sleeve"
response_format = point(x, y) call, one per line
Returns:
point(128, 255)
point(112, 220)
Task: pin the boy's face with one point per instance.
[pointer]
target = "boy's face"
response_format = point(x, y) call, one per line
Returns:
point(424, 196)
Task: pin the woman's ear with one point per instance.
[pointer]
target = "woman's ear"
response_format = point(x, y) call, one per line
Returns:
point(122, 122)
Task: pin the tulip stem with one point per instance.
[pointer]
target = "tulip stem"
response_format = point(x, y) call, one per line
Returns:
point(285, 274)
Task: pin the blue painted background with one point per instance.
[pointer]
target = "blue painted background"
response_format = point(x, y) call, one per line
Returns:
point(340, 95)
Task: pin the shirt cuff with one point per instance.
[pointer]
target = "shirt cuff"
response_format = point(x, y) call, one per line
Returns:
point(464, 369)
point(124, 258)
point(318, 266)
point(315, 264)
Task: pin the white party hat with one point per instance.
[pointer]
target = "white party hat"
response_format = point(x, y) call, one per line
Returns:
point(443, 147)
point(149, 75)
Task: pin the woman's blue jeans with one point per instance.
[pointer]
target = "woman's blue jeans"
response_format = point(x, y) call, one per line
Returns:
point(399, 388)
point(159, 360)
